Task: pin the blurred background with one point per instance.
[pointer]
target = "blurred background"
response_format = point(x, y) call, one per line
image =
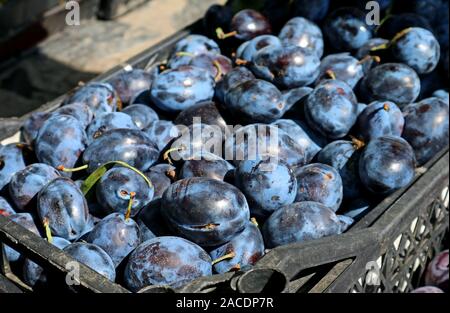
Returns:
point(41, 57)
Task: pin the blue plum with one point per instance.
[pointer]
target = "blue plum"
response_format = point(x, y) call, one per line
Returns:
point(341, 66)
point(417, 48)
point(60, 142)
point(249, 24)
point(31, 126)
point(235, 77)
point(33, 274)
point(64, 206)
point(387, 164)
point(161, 176)
point(319, 183)
point(267, 184)
point(217, 65)
point(162, 132)
point(117, 235)
point(171, 261)
point(177, 89)
point(11, 161)
point(300, 222)
point(331, 109)
point(27, 183)
point(80, 111)
point(5, 208)
point(364, 53)
point(127, 84)
point(287, 66)
point(426, 127)
point(303, 33)
point(131, 146)
point(205, 112)
point(191, 45)
point(141, 114)
point(151, 221)
point(394, 82)
point(245, 248)
point(346, 29)
point(107, 121)
point(92, 256)
point(25, 220)
point(380, 118)
point(115, 189)
point(250, 48)
point(100, 97)
point(206, 211)
point(215, 168)
point(255, 101)
point(344, 156)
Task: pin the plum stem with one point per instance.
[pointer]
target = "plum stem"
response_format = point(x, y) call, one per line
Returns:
point(358, 144)
point(48, 232)
point(224, 257)
point(70, 170)
point(222, 35)
point(237, 267)
point(397, 36)
point(240, 62)
point(130, 204)
point(386, 107)
point(184, 54)
point(166, 155)
point(254, 221)
point(331, 74)
point(376, 58)
point(219, 70)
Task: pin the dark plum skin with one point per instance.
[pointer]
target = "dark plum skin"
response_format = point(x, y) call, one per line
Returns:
point(426, 127)
point(206, 211)
point(116, 235)
point(108, 121)
point(31, 126)
point(33, 274)
point(191, 45)
point(235, 77)
point(419, 49)
point(346, 29)
point(99, 97)
point(249, 24)
point(267, 184)
point(114, 188)
point(437, 271)
point(217, 16)
point(161, 176)
point(27, 183)
point(175, 90)
point(11, 161)
point(168, 260)
point(141, 114)
point(207, 112)
point(394, 82)
point(319, 183)
point(94, 257)
point(303, 33)
point(60, 142)
point(344, 67)
point(287, 66)
point(344, 155)
point(299, 222)
point(294, 99)
point(80, 111)
point(331, 109)
point(387, 164)
point(249, 48)
point(131, 146)
point(25, 220)
point(247, 246)
point(255, 101)
point(270, 141)
point(127, 84)
point(312, 10)
point(63, 204)
point(5, 208)
point(380, 118)
point(151, 221)
point(204, 167)
point(217, 65)
point(161, 132)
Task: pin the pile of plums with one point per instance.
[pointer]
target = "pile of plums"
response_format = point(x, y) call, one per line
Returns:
point(153, 177)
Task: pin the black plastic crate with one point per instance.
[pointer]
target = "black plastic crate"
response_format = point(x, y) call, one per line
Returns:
point(111, 9)
point(398, 236)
